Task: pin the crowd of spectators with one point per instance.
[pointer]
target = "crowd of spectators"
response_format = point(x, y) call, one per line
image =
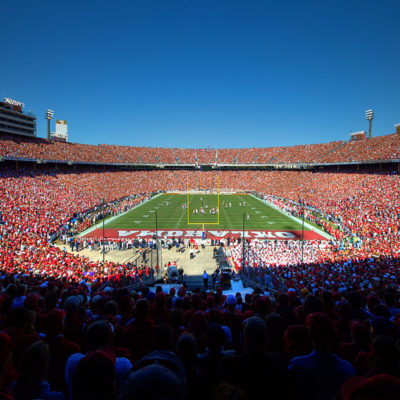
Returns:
point(227, 156)
point(375, 149)
point(206, 156)
point(66, 316)
point(141, 155)
point(35, 206)
point(64, 340)
point(307, 153)
point(259, 155)
point(280, 253)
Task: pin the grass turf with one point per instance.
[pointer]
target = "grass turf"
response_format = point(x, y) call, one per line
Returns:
point(258, 215)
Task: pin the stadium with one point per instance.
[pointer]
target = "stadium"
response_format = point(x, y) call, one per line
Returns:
point(244, 269)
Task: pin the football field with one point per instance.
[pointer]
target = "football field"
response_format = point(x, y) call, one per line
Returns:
point(171, 214)
point(177, 214)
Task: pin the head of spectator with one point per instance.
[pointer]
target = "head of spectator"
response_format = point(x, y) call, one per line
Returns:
point(230, 302)
point(210, 302)
point(72, 304)
point(215, 338)
point(142, 309)
point(32, 302)
point(276, 327)
point(255, 336)
point(178, 303)
point(50, 301)
point(372, 302)
point(94, 377)
point(31, 382)
point(321, 331)
point(328, 303)
point(312, 304)
point(21, 318)
point(356, 300)
point(199, 323)
point(297, 341)
point(284, 298)
point(299, 314)
point(214, 315)
point(186, 350)
point(54, 324)
point(111, 308)
point(382, 326)
point(344, 309)
point(163, 337)
point(360, 335)
point(159, 300)
point(140, 385)
point(262, 306)
point(99, 335)
point(385, 356)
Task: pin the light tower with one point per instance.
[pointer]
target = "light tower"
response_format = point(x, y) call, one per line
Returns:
point(369, 115)
point(49, 116)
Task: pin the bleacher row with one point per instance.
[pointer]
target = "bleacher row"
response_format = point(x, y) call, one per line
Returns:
point(375, 149)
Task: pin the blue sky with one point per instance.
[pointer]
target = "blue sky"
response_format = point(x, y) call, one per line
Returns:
point(198, 73)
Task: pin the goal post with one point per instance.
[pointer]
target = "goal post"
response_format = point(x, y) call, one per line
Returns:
point(206, 191)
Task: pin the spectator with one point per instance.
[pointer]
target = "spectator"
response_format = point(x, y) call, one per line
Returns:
point(31, 382)
point(94, 377)
point(320, 374)
point(99, 337)
point(256, 371)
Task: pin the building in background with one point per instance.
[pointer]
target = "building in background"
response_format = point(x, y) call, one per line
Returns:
point(61, 133)
point(13, 121)
point(358, 135)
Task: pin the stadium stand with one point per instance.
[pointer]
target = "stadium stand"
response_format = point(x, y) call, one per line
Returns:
point(260, 156)
point(376, 149)
point(206, 156)
point(326, 323)
point(306, 153)
point(185, 156)
point(227, 156)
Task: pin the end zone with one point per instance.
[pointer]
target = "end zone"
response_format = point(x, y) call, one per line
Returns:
point(221, 234)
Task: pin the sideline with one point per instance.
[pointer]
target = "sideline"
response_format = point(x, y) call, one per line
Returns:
point(300, 221)
point(100, 224)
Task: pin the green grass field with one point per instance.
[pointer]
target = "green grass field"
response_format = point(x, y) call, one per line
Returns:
point(258, 215)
